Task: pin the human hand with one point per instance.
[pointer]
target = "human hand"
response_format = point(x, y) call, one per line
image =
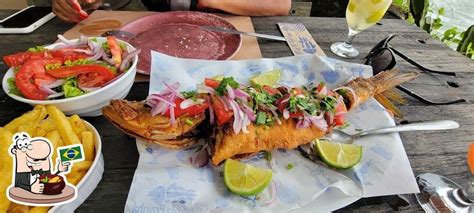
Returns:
point(63, 166)
point(37, 187)
point(70, 10)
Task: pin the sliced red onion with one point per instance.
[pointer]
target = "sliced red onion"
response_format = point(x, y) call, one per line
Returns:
point(107, 59)
point(172, 118)
point(47, 90)
point(241, 94)
point(66, 41)
point(98, 54)
point(88, 52)
point(205, 89)
point(230, 92)
point(59, 94)
point(339, 100)
point(211, 111)
point(245, 122)
point(249, 112)
point(302, 123)
point(273, 191)
point(238, 116)
point(55, 84)
point(163, 99)
point(126, 61)
point(224, 103)
point(190, 102)
point(286, 114)
point(275, 114)
point(356, 98)
point(91, 45)
point(318, 121)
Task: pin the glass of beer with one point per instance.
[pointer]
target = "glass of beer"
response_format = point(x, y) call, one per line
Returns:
point(360, 15)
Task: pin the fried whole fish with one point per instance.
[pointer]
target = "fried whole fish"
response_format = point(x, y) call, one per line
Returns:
point(228, 144)
point(135, 119)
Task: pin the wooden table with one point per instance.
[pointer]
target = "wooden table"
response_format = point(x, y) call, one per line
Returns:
point(440, 152)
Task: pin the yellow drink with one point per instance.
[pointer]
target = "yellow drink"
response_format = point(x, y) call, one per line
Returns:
point(362, 14)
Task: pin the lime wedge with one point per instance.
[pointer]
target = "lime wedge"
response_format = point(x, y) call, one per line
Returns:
point(339, 155)
point(270, 78)
point(218, 77)
point(245, 179)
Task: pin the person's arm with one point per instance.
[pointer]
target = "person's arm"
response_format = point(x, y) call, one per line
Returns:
point(250, 7)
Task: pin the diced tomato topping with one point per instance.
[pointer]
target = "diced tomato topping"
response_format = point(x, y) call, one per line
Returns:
point(340, 116)
point(211, 83)
point(190, 111)
point(270, 90)
point(223, 116)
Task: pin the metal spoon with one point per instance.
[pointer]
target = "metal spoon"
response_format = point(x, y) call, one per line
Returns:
point(342, 137)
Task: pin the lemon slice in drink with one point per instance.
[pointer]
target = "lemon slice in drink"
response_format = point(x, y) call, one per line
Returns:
point(339, 155)
point(270, 78)
point(245, 179)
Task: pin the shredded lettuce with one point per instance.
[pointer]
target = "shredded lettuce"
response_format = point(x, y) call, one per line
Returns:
point(37, 49)
point(71, 89)
point(12, 87)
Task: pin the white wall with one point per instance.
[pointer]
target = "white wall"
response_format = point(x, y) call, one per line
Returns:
point(12, 4)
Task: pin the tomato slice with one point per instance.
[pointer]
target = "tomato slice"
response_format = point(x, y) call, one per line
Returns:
point(68, 54)
point(91, 79)
point(115, 50)
point(190, 111)
point(270, 90)
point(64, 72)
point(211, 83)
point(25, 77)
point(18, 59)
point(223, 116)
point(340, 117)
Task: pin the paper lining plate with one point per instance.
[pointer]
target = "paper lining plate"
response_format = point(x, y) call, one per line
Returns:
point(92, 178)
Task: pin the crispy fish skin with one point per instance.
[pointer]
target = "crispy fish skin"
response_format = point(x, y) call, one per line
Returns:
point(228, 144)
point(135, 119)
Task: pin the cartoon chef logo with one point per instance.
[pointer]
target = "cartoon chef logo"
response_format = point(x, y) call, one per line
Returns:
point(35, 182)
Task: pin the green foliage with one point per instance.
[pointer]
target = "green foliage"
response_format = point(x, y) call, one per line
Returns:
point(466, 46)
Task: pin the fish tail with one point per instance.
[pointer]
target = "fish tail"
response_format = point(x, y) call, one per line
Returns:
point(388, 79)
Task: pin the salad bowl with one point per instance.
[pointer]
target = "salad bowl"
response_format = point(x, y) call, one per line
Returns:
point(90, 103)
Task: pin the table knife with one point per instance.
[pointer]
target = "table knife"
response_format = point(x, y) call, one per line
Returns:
point(227, 30)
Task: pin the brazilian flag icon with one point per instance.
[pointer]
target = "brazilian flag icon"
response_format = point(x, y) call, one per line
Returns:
point(71, 153)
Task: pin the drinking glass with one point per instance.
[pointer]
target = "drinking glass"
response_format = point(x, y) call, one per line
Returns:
point(360, 15)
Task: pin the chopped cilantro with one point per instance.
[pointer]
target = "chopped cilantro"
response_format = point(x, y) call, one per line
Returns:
point(94, 40)
point(36, 49)
point(328, 104)
point(290, 166)
point(189, 94)
point(261, 118)
point(358, 130)
point(16, 69)
point(12, 87)
point(189, 122)
point(220, 90)
point(268, 155)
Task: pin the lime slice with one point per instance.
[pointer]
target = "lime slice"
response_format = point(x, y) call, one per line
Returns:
point(270, 78)
point(245, 179)
point(218, 77)
point(339, 155)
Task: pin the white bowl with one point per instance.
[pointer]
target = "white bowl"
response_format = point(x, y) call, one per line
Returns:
point(89, 182)
point(89, 104)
